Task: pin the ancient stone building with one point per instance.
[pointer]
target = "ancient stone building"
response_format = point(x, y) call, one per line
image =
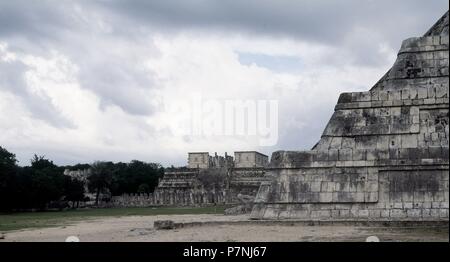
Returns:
point(384, 153)
point(239, 177)
point(203, 160)
point(199, 160)
point(181, 187)
point(79, 174)
point(246, 159)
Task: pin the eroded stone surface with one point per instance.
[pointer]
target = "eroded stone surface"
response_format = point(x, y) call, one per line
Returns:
point(384, 153)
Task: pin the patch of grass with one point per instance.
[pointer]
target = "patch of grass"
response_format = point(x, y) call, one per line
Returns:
point(23, 220)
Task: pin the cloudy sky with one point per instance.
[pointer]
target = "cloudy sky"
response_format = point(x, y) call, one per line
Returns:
point(91, 80)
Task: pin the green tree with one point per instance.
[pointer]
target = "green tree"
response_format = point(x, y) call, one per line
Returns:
point(7, 159)
point(40, 163)
point(43, 183)
point(144, 188)
point(73, 190)
point(8, 179)
point(100, 178)
point(128, 177)
point(47, 181)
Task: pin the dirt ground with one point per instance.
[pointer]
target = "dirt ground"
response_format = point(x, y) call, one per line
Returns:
point(140, 228)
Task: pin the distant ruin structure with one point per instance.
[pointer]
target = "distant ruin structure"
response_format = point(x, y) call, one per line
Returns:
point(249, 159)
point(202, 160)
point(206, 180)
point(242, 175)
point(384, 154)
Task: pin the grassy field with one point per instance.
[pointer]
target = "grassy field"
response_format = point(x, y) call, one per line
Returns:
point(22, 220)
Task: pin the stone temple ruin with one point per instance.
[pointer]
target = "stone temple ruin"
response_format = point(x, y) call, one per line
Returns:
point(234, 179)
point(384, 153)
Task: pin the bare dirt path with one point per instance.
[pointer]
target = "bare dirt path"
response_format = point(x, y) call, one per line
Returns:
point(140, 228)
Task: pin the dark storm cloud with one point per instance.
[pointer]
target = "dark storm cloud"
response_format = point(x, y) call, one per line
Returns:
point(39, 22)
point(354, 27)
point(315, 20)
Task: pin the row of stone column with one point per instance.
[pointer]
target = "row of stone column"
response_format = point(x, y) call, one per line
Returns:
point(169, 197)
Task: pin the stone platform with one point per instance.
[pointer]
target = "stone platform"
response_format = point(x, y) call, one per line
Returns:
point(384, 153)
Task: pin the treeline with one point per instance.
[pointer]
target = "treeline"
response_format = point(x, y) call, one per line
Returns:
point(43, 184)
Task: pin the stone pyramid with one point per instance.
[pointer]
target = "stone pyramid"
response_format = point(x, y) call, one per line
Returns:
point(384, 154)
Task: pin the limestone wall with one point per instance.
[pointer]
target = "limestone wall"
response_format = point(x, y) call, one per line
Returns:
point(342, 193)
point(384, 153)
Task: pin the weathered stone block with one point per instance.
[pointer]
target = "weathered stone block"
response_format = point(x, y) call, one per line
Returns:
point(443, 213)
point(414, 213)
point(325, 197)
point(408, 205)
point(315, 186)
point(397, 213)
point(164, 224)
point(409, 141)
point(422, 93)
point(321, 214)
point(345, 154)
point(385, 213)
point(333, 155)
point(398, 205)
